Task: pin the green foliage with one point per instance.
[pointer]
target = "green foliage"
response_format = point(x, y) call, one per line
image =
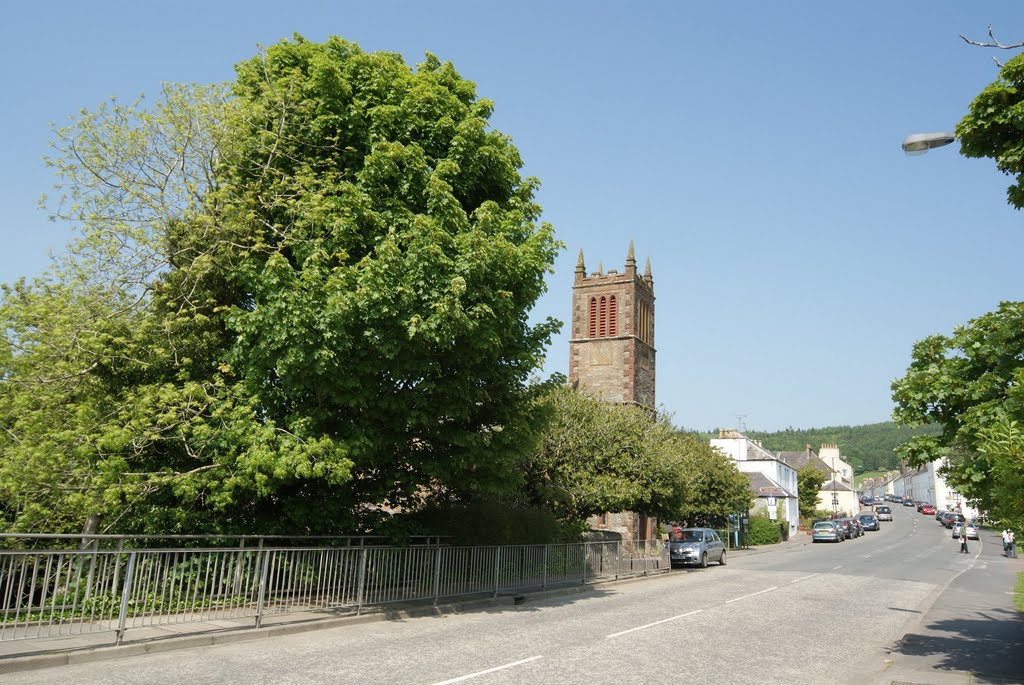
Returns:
point(809, 481)
point(1018, 595)
point(992, 126)
point(762, 531)
point(292, 298)
point(494, 523)
point(970, 384)
point(596, 457)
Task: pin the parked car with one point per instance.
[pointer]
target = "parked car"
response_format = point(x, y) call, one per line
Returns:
point(846, 528)
point(826, 531)
point(869, 522)
point(972, 530)
point(908, 502)
point(952, 518)
point(695, 546)
point(883, 513)
point(928, 509)
point(855, 522)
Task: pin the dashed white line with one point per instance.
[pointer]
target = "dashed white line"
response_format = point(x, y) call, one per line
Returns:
point(866, 556)
point(736, 599)
point(664, 620)
point(489, 670)
point(837, 567)
point(804, 578)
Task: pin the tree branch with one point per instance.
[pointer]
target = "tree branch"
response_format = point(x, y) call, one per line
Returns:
point(994, 44)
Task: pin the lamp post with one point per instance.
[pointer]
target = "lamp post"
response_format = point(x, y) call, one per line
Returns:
point(835, 496)
point(920, 143)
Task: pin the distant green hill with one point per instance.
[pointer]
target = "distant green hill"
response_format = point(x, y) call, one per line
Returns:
point(867, 448)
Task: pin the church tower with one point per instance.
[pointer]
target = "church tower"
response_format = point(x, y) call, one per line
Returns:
point(611, 346)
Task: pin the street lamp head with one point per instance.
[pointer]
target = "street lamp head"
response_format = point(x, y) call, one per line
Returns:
point(920, 143)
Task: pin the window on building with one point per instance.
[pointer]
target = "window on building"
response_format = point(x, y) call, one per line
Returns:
point(612, 312)
point(602, 317)
point(593, 317)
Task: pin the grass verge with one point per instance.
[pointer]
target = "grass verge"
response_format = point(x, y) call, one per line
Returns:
point(1018, 595)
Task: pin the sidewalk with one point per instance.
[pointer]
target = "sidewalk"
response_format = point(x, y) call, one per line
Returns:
point(973, 633)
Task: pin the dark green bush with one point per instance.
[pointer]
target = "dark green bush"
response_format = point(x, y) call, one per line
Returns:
point(495, 523)
point(762, 531)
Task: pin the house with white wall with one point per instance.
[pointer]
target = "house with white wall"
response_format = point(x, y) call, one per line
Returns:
point(926, 484)
point(773, 481)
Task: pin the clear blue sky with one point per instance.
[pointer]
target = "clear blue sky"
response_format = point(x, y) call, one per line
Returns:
point(751, 149)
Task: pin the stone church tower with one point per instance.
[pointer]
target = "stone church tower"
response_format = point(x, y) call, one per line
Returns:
point(611, 346)
point(611, 356)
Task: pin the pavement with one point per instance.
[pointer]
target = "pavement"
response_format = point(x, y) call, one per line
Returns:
point(972, 632)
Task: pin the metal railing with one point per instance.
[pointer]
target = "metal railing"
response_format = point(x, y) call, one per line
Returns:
point(56, 592)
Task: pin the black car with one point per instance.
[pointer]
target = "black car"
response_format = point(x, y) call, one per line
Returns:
point(869, 522)
point(909, 503)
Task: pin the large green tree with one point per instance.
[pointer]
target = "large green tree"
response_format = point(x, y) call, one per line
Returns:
point(596, 457)
point(808, 482)
point(993, 126)
point(295, 301)
point(971, 384)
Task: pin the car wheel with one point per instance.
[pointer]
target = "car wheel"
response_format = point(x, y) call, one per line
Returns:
point(704, 560)
point(721, 562)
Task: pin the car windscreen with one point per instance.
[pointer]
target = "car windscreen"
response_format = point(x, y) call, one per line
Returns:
point(884, 510)
point(823, 526)
point(868, 517)
point(688, 536)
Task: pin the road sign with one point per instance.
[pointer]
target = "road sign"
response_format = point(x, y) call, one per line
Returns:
point(771, 501)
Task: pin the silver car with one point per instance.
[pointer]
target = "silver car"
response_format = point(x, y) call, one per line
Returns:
point(695, 546)
point(826, 531)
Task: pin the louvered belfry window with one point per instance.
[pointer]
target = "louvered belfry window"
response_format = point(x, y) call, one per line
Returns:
point(604, 316)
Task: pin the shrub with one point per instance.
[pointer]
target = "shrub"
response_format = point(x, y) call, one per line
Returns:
point(762, 531)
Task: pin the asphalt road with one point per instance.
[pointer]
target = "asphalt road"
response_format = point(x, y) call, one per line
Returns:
point(898, 605)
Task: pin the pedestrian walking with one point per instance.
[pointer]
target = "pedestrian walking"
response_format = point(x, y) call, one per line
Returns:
point(963, 538)
point(1006, 542)
point(1013, 544)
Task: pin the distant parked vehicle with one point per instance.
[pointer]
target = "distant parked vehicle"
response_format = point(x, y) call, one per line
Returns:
point(952, 518)
point(884, 513)
point(908, 502)
point(928, 509)
point(847, 528)
point(826, 531)
point(869, 522)
point(971, 530)
point(695, 546)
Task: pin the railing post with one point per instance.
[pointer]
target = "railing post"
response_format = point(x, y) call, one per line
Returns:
point(361, 584)
point(544, 577)
point(437, 575)
point(584, 563)
point(618, 558)
point(126, 593)
point(497, 569)
point(261, 597)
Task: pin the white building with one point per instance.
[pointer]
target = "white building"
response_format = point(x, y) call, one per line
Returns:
point(926, 484)
point(772, 480)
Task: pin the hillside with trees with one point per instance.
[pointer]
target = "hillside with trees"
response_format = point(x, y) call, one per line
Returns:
point(867, 448)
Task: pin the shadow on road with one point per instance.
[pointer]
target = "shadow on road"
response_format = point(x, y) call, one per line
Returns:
point(990, 645)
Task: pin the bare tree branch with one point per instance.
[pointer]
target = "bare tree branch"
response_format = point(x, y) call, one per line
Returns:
point(994, 44)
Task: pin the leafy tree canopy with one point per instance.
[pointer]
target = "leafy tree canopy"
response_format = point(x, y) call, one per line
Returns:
point(970, 384)
point(294, 300)
point(596, 457)
point(992, 126)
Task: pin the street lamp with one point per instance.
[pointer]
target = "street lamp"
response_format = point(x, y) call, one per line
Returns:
point(920, 143)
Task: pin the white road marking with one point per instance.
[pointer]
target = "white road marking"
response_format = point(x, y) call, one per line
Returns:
point(866, 556)
point(664, 620)
point(489, 670)
point(736, 599)
point(804, 578)
point(837, 567)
